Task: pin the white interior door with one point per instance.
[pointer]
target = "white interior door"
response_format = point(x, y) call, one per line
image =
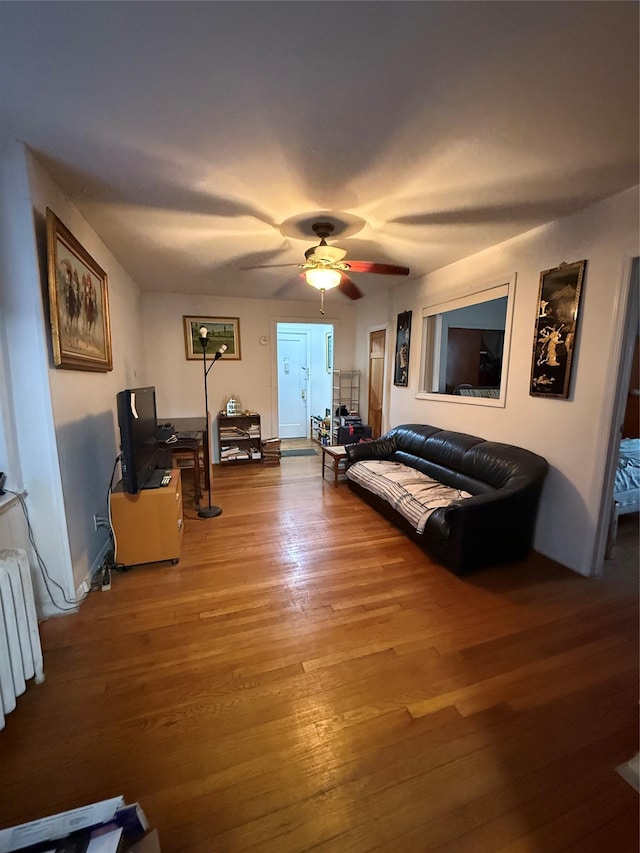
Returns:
point(293, 382)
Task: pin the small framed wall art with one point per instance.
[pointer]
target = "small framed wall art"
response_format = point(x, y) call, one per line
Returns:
point(78, 303)
point(555, 330)
point(328, 351)
point(221, 330)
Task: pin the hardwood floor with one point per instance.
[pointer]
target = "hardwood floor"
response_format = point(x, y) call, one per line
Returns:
point(306, 679)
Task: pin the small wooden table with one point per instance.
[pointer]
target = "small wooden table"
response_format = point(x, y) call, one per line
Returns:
point(334, 457)
point(193, 447)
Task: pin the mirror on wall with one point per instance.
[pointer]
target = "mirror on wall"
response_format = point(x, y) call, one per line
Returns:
point(465, 345)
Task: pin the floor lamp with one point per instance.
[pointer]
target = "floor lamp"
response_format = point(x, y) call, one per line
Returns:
point(208, 511)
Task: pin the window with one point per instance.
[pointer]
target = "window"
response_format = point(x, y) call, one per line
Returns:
point(465, 347)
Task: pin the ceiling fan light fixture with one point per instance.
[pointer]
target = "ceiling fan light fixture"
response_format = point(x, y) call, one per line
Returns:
point(322, 278)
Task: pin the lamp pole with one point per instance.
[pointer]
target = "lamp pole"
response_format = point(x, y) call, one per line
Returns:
point(208, 511)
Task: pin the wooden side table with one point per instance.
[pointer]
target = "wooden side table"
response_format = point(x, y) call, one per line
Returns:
point(148, 526)
point(334, 457)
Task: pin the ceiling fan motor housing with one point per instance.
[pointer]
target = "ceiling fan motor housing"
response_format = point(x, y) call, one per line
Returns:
point(323, 253)
point(323, 229)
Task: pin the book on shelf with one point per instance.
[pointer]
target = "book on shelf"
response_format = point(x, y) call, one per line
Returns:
point(233, 432)
point(235, 454)
point(226, 449)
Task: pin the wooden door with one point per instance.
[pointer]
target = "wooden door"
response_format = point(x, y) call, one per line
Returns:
point(463, 357)
point(377, 342)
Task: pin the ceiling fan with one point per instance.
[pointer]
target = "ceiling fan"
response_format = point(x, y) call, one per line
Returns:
point(325, 268)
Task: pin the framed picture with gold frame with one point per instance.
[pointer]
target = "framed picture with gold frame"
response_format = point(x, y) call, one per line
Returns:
point(78, 302)
point(555, 328)
point(221, 330)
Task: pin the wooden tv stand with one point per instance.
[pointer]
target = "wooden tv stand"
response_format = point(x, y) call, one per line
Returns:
point(148, 526)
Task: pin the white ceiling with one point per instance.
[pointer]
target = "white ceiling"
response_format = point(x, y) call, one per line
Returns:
point(188, 133)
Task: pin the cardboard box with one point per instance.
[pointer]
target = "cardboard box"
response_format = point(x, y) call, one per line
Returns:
point(149, 844)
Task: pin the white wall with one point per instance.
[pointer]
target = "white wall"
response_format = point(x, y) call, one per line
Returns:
point(28, 447)
point(568, 433)
point(71, 413)
point(84, 402)
point(320, 379)
point(179, 383)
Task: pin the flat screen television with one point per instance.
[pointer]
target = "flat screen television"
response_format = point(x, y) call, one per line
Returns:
point(137, 419)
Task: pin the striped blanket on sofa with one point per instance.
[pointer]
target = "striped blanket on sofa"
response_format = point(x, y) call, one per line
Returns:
point(408, 491)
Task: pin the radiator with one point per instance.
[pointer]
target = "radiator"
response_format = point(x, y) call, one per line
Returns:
point(20, 650)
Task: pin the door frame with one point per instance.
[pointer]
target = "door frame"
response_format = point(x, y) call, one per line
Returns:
point(303, 348)
point(273, 343)
point(625, 329)
point(386, 380)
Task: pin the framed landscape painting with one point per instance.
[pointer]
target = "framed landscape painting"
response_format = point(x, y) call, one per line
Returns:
point(78, 302)
point(221, 330)
point(555, 330)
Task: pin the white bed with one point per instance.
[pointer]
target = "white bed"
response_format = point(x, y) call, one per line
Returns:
point(626, 488)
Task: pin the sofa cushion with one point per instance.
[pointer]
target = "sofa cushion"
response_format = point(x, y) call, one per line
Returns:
point(408, 491)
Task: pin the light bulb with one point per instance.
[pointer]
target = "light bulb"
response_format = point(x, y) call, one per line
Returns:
point(323, 278)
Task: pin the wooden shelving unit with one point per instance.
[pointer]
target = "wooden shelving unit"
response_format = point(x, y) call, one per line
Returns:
point(239, 438)
point(346, 392)
point(319, 431)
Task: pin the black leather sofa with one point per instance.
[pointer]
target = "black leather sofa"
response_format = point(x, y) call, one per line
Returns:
point(495, 525)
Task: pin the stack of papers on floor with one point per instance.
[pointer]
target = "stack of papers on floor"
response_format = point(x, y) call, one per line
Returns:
point(271, 451)
point(109, 826)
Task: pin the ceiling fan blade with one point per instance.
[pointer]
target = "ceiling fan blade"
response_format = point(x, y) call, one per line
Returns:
point(349, 289)
point(267, 266)
point(381, 269)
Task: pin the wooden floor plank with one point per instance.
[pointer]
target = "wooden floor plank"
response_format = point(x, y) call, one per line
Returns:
point(306, 678)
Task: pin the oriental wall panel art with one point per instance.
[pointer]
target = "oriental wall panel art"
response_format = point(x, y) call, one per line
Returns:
point(555, 330)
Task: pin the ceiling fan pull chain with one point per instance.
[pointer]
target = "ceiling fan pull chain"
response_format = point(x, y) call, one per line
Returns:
point(322, 301)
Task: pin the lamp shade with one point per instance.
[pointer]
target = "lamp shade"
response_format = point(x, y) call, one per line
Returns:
point(323, 278)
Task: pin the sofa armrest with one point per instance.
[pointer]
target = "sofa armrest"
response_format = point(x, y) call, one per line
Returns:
point(381, 448)
point(502, 514)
